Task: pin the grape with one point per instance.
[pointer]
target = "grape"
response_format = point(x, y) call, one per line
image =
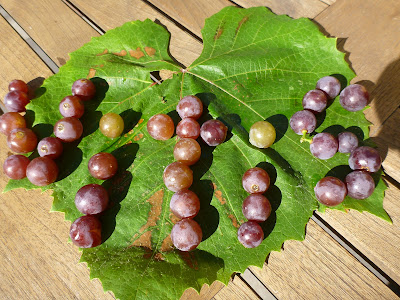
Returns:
point(84, 89)
point(111, 125)
point(360, 185)
point(10, 121)
point(186, 235)
point(315, 100)
point(22, 140)
point(103, 165)
point(42, 171)
point(16, 101)
point(250, 234)
point(68, 129)
point(85, 232)
point(160, 127)
point(365, 158)
point(262, 134)
point(91, 199)
point(330, 191)
point(177, 177)
point(185, 204)
point(50, 147)
point(324, 145)
point(330, 85)
point(213, 132)
point(303, 120)
point(187, 151)
point(256, 207)
point(188, 128)
point(347, 142)
point(255, 180)
point(354, 97)
point(71, 106)
point(18, 85)
point(15, 166)
point(190, 107)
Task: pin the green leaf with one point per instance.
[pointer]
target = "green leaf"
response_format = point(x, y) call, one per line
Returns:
point(255, 66)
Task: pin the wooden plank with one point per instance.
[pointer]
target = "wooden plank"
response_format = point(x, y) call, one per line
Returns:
point(54, 27)
point(183, 48)
point(207, 292)
point(319, 268)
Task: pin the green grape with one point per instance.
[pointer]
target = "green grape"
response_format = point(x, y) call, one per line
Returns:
point(111, 125)
point(262, 134)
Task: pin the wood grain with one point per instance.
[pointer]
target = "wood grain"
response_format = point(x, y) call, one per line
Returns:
point(52, 25)
point(319, 268)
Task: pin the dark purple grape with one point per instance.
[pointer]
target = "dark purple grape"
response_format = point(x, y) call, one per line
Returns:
point(185, 204)
point(360, 185)
point(103, 165)
point(91, 199)
point(18, 85)
point(15, 166)
point(188, 128)
point(22, 140)
point(50, 147)
point(187, 151)
point(330, 191)
point(256, 207)
point(190, 107)
point(10, 121)
point(330, 85)
point(42, 171)
point(213, 132)
point(85, 232)
point(347, 142)
point(68, 129)
point(186, 235)
point(365, 158)
point(303, 120)
point(324, 145)
point(315, 100)
point(84, 89)
point(16, 101)
point(71, 106)
point(250, 234)
point(255, 181)
point(354, 97)
point(160, 127)
point(177, 177)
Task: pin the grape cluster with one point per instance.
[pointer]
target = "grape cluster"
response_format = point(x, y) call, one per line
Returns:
point(186, 234)
point(256, 207)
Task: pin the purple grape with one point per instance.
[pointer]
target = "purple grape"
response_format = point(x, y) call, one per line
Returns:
point(190, 107)
point(256, 207)
point(15, 166)
point(347, 142)
point(188, 128)
point(71, 106)
point(68, 129)
point(18, 85)
point(84, 89)
point(324, 145)
point(303, 120)
point(16, 101)
point(50, 147)
point(315, 100)
point(103, 165)
point(22, 140)
point(330, 191)
point(255, 180)
point(360, 185)
point(250, 234)
point(91, 199)
point(10, 121)
point(185, 204)
point(186, 235)
point(365, 158)
point(354, 97)
point(213, 132)
point(42, 171)
point(85, 232)
point(330, 85)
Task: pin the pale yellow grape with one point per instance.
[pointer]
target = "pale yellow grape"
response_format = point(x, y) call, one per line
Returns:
point(262, 134)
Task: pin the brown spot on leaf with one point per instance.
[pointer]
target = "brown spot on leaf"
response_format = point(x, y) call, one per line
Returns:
point(218, 194)
point(218, 33)
point(128, 142)
point(92, 73)
point(234, 221)
point(167, 245)
point(174, 219)
point(103, 53)
point(143, 241)
point(150, 51)
point(190, 259)
point(136, 53)
point(138, 137)
point(242, 21)
point(121, 53)
point(159, 257)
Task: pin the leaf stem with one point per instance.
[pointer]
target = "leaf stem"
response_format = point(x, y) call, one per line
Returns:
point(304, 137)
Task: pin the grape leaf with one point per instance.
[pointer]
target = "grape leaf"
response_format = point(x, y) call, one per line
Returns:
point(254, 66)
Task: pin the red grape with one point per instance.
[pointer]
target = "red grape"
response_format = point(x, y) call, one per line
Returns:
point(91, 199)
point(315, 100)
point(187, 151)
point(10, 121)
point(50, 147)
point(42, 171)
point(330, 85)
point(354, 97)
point(68, 129)
point(188, 128)
point(303, 120)
point(256, 207)
point(18, 85)
point(365, 158)
point(15, 166)
point(330, 191)
point(177, 177)
point(160, 127)
point(213, 132)
point(347, 142)
point(185, 204)
point(360, 185)
point(16, 101)
point(250, 234)
point(186, 235)
point(324, 145)
point(255, 180)
point(190, 107)
point(103, 165)
point(85, 232)
point(84, 89)
point(22, 140)
point(111, 125)
point(71, 106)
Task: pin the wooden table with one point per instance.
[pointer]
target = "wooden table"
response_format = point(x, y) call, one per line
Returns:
point(36, 260)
